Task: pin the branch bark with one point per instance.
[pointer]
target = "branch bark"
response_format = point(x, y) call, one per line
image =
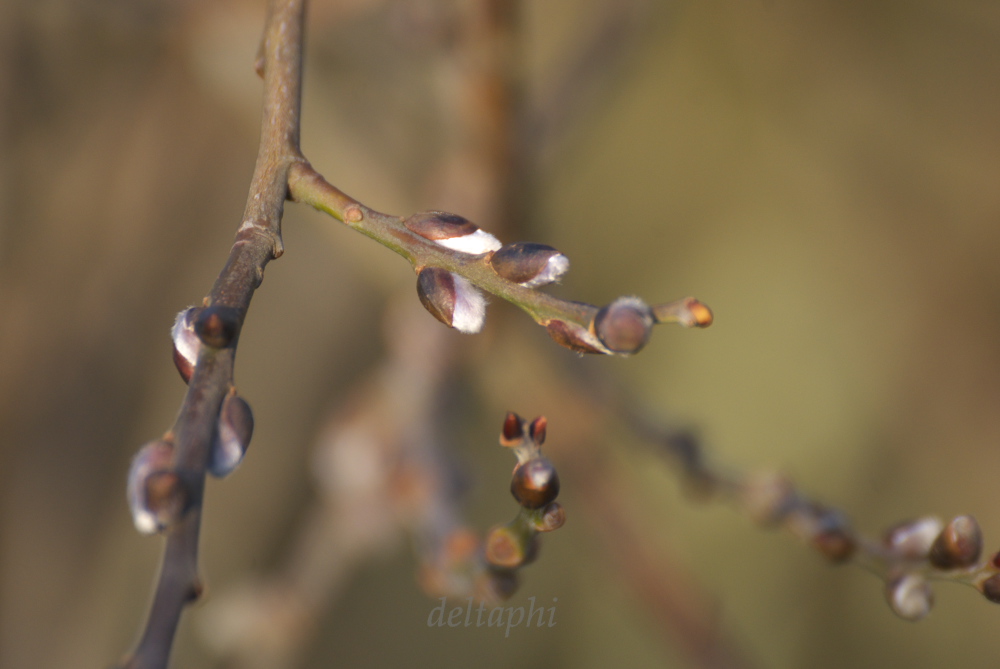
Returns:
point(258, 241)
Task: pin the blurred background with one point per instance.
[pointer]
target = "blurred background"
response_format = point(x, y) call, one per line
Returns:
point(823, 174)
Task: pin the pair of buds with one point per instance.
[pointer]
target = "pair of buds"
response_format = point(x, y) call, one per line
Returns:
point(452, 299)
point(535, 486)
point(157, 492)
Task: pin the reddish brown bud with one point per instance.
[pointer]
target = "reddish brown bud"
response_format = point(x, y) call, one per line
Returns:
point(913, 540)
point(834, 538)
point(535, 483)
point(529, 264)
point(232, 437)
point(513, 430)
point(574, 337)
point(959, 544)
point(909, 596)
point(553, 517)
point(451, 299)
point(186, 344)
point(624, 326)
point(156, 494)
point(537, 429)
point(217, 325)
point(452, 231)
point(991, 588)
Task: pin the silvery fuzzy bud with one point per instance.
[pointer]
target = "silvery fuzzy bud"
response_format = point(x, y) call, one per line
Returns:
point(452, 231)
point(528, 264)
point(958, 545)
point(186, 343)
point(624, 326)
point(232, 436)
point(535, 483)
point(156, 495)
point(574, 337)
point(913, 540)
point(452, 299)
point(909, 596)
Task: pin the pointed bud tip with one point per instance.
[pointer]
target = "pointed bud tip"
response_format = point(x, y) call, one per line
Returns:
point(513, 430)
point(537, 429)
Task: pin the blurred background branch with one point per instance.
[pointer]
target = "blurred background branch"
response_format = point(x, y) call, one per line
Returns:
point(823, 176)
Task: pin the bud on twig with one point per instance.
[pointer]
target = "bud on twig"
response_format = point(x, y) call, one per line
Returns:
point(552, 518)
point(913, 540)
point(528, 264)
point(452, 299)
point(991, 588)
point(958, 545)
point(186, 344)
point(452, 231)
point(910, 597)
point(624, 325)
point(535, 483)
point(509, 546)
point(217, 325)
point(232, 436)
point(156, 495)
point(513, 430)
point(688, 311)
point(574, 337)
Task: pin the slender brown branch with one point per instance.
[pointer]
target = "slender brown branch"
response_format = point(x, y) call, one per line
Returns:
point(257, 242)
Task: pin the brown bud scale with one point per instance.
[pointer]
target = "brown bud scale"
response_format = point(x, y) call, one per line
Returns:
point(574, 337)
point(513, 430)
point(522, 262)
point(535, 483)
point(959, 544)
point(436, 290)
point(217, 325)
point(435, 225)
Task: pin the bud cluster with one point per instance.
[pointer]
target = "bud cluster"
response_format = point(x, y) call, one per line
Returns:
point(535, 486)
point(622, 327)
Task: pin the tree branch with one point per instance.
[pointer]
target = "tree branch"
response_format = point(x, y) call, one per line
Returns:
point(257, 242)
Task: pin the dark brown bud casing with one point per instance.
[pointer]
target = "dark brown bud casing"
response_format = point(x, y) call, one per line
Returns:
point(575, 338)
point(156, 495)
point(452, 231)
point(232, 436)
point(186, 344)
point(513, 430)
point(535, 483)
point(529, 264)
point(624, 326)
point(537, 429)
point(217, 325)
point(451, 299)
point(959, 544)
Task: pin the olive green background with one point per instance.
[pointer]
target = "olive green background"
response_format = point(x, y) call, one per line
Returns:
point(824, 174)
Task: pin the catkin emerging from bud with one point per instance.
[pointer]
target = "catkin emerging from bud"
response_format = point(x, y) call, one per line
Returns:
point(232, 436)
point(528, 264)
point(186, 344)
point(156, 495)
point(452, 231)
point(452, 299)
